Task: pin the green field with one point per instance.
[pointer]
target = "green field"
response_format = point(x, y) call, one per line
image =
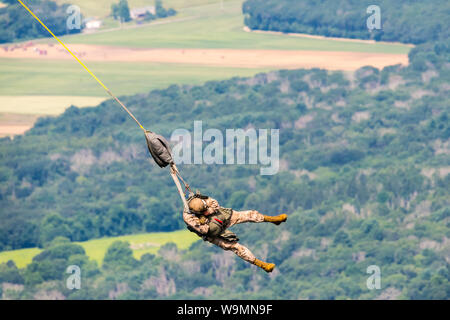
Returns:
point(96, 248)
point(101, 8)
point(207, 26)
point(211, 27)
point(21, 77)
point(48, 105)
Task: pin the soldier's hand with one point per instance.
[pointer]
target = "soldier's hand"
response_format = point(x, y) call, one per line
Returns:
point(203, 220)
point(212, 203)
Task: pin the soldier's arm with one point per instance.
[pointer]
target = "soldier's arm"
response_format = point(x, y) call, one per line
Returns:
point(194, 222)
point(213, 205)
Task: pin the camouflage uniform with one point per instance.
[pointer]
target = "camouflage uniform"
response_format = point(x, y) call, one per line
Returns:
point(201, 227)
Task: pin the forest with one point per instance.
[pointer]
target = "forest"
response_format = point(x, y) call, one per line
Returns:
point(364, 176)
point(411, 21)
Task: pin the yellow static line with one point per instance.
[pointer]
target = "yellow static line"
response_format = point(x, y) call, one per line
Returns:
point(84, 66)
point(174, 170)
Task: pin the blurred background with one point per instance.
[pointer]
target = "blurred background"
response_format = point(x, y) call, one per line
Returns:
point(358, 89)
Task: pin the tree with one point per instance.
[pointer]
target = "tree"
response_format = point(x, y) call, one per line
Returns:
point(17, 233)
point(304, 16)
point(9, 1)
point(121, 11)
point(10, 273)
point(119, 255)
point(161, 12)
point(16, 23)
point(343, 238)
point(54, 226)
point(52, 262)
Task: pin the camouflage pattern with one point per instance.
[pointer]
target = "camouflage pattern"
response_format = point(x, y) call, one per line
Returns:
point(240, 250)
point(245, 216)
point(237, 217)
point(194, 224)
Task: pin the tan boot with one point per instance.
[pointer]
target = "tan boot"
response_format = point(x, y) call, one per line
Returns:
point(277, 219)
point(267, 267)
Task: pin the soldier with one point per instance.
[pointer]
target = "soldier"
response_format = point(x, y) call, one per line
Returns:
point(211, 222)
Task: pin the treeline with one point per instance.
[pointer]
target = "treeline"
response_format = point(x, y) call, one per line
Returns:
point(160, 12)
point(16, 23)
point(411, 21)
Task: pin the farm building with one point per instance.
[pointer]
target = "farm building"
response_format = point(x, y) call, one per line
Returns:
point(93, 24)
point(139, 13)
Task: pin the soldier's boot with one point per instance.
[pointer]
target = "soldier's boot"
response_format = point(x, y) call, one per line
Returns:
point(267, 267)
point(277, 219)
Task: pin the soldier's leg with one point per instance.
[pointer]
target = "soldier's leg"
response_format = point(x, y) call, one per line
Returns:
point(242, 252)
point(246, 216)
point(238, 249)
point(254, 216)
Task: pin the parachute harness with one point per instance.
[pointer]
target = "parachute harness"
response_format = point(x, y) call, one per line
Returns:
point(159, 147)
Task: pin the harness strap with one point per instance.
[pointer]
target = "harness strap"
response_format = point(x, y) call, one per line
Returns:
point(180, 189)
point(186, 186)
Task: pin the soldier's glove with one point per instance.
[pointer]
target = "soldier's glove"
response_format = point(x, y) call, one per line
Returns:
point(203, 220)
point(213, 204)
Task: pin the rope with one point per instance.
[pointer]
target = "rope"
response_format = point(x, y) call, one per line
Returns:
point(174, 171)
point(126, 109)
point(83, 65)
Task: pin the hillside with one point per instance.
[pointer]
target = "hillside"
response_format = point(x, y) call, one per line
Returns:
point(364, 175)
point(96, 248)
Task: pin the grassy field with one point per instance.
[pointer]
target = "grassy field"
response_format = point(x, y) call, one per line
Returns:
point(40, 105)
point(22, 77)
point(15, 123)
point(96, 249)
point(54, 85)
point(211, 27)
point(102, 8)
point(19, 113)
